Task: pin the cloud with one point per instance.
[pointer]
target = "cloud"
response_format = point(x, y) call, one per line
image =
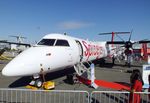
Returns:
point(73, 25)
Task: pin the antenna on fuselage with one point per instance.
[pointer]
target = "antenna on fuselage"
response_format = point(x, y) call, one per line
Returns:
point(65, 33)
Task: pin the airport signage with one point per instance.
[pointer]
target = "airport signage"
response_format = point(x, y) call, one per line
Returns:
point(145, 74)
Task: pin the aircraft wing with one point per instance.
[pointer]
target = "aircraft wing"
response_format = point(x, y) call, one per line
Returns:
point(24, 44)
point(143, 41)
point(115, 42)
point(124, 42)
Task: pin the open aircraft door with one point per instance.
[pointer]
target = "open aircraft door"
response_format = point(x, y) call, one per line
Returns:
point(80, 48)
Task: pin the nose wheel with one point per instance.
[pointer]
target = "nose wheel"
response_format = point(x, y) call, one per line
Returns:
point(38, 83)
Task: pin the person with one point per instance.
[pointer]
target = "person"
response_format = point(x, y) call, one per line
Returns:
point(113, 60)
point(136, 86)
point(128, 53)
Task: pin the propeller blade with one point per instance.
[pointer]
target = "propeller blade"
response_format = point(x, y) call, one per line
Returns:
point(122, 32)
point(130, 34)
point(105, 33)
point(120, 37)
point(17, 36)
point(114, 33)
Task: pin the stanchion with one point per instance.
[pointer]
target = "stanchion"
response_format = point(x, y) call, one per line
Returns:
point(93, 76)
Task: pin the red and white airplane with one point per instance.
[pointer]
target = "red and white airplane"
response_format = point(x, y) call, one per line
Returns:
point(55, 52)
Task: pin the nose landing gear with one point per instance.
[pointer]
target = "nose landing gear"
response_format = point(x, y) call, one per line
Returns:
point(39, 81)
point(36, 81)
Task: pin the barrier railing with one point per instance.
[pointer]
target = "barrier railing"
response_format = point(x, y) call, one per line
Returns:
point(117, 97)
point(43, 96)
point(67, 96)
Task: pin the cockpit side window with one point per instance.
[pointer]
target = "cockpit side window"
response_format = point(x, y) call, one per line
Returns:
point(47, 42)
point(62, 43)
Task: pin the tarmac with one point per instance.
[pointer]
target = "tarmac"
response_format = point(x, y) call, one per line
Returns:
point(118, 73)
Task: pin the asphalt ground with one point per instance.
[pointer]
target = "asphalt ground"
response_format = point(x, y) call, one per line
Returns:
point(118, 73)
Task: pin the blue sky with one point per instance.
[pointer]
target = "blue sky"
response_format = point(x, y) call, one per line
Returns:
point(80, 18)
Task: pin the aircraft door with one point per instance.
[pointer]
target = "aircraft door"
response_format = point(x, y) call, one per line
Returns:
point(80, 49)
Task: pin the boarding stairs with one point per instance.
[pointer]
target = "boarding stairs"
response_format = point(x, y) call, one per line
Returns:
point(86, 71)
point(83, 70)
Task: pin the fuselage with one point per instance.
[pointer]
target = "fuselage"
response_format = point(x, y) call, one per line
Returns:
point(54, 52)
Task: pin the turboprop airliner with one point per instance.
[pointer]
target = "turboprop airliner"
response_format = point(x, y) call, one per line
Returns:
point(55, 52)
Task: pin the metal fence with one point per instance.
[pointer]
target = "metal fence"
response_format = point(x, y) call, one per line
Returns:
point(66, 96)
point(43, 96)
point(117, 97)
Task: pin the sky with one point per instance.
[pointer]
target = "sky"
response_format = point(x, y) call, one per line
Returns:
point(79, 18)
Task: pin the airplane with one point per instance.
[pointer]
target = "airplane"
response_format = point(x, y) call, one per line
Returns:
point(19, 38)
point(20, 46)
point(127, 45)
point(55, 52)
point(7, 42)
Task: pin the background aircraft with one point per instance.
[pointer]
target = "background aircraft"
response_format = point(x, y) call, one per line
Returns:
point(24, 44)
point(128, 45)
point(19, 38)
point(16, 47)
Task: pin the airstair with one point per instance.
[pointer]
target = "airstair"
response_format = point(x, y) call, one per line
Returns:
point(86, 71)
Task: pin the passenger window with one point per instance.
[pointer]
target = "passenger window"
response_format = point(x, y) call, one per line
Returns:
point(47, 42)
point(62, 43)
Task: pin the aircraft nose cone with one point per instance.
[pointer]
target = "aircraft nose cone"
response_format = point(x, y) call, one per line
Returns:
point(8, 70)
point(5, 72)
point(27, 63)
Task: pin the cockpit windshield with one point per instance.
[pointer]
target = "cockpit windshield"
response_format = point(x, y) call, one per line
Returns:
point(51, 42)
point(62, 43)
point(47, 42)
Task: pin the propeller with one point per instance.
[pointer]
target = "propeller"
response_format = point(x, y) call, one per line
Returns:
point(114, 33)
point(117, 34)
point(127, 44)
point(19, 38)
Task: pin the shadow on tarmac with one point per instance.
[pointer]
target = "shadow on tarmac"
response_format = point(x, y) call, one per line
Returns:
point(24, 81)
point(110, 65)
point(58, 74)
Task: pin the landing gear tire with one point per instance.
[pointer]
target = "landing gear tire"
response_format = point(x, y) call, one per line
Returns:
point(38, 83)
point(70, 78)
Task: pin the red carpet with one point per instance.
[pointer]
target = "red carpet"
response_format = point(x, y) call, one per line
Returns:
point(112, 85)
point(106, 84)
